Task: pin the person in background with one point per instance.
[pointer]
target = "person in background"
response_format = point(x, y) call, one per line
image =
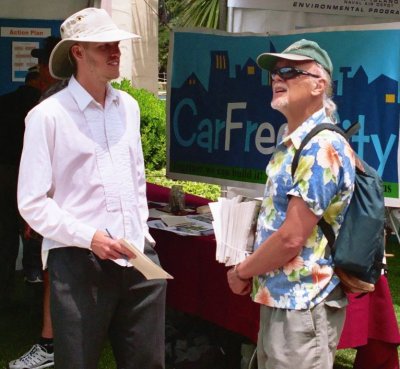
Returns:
point(32, 241)
point(41, 354)
point(82, 186)
point(13, 108)
point(302, 304)
point(32, 79)
point(42, 54)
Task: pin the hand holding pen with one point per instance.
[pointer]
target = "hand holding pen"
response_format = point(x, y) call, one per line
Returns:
point(106, 247)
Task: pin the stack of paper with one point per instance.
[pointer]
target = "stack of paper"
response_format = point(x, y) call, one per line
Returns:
point(234, 227)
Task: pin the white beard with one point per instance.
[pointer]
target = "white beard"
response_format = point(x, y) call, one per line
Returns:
point(279, 103)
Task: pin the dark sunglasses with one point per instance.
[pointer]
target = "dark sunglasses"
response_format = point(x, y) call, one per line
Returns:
point(290, 72)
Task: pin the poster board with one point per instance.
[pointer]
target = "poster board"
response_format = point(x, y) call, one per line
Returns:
point(17, 38)
point(221, 128)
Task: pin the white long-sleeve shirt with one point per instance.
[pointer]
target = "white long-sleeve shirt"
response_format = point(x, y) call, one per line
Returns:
point(82, 169)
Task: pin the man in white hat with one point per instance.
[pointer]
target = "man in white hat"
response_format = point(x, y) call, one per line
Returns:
point(301, 302)
point(82, 186)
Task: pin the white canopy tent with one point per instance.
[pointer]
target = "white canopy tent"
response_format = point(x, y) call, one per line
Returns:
point(280, 16)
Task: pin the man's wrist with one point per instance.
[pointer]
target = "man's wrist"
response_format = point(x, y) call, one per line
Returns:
point(236, 271)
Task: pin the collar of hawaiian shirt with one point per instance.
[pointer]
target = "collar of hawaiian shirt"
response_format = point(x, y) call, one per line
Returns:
point(300, 132)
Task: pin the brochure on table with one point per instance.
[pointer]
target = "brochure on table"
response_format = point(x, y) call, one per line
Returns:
point(188, 225)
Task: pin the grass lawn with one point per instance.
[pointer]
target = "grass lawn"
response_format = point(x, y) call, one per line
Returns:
point(20, 325)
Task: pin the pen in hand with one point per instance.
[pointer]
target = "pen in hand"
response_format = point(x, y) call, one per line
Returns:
point(109, 234)
point(122, 255)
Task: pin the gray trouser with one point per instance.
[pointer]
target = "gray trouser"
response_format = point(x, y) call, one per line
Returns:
point(301, 339)
point(92, 299)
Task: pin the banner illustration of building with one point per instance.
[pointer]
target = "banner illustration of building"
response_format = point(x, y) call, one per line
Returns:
point(221, 128)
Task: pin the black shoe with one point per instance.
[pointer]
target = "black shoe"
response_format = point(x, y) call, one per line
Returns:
point(33, 276)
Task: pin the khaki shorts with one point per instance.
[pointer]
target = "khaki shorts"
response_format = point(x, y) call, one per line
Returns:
point(301, 339)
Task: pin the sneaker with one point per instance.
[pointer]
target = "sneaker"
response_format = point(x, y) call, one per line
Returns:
point(36, 358)
point(34, 276)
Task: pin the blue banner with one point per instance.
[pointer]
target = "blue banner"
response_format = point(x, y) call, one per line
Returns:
point(221, 128)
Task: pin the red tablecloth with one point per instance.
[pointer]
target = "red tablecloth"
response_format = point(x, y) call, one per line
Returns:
point(370, 317)
point(200, 288)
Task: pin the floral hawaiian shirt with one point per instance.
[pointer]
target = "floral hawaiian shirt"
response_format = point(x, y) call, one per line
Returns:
point(324, 179)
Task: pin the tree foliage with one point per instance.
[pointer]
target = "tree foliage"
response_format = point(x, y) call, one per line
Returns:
point(152, 124)
point(169, 13)
point(184, 13)
point(200, 13)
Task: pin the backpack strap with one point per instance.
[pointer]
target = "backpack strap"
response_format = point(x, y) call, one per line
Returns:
point(326, 228)
point(353, 129)
point(318, 128)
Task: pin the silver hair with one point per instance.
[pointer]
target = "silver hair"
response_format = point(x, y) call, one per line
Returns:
point(329, 104)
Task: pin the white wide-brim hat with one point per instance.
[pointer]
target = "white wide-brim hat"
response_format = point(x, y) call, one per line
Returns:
point(87, 25)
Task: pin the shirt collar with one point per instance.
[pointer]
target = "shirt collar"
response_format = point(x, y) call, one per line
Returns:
point(300, 132)
point(112, 95)
point(83, 98)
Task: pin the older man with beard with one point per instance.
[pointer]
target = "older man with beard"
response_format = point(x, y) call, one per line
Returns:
point(302, 303)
